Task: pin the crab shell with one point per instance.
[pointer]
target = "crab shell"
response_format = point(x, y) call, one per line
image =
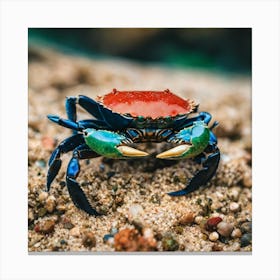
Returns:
point(148, 104)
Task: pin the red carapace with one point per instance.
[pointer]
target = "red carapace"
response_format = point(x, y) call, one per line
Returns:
point(154, 104)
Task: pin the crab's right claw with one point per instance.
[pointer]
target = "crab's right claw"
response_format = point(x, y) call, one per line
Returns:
point(193, 139)
point(111, 144)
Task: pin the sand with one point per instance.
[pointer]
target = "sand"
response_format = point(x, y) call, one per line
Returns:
point(138, 214)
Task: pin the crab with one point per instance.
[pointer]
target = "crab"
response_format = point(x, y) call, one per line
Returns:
point(122, 118)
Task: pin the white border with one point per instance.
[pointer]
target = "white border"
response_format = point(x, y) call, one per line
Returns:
point(17, 16)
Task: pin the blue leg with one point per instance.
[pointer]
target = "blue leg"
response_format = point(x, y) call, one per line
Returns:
point(66, 123)
point(76, 193)
point(71, 110)
point(65, 146)
point(210, 165)
point(105, 116)
point(77, 126)
point(184, 121)
point(112, 120)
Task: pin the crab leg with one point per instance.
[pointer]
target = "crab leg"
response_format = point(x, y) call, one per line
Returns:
point(185, 121)
point(76, 193)
point(71, 110)
point(77, 126)
point(65, 146)
point(195, 142)
point(201, 177)
point(96, 109)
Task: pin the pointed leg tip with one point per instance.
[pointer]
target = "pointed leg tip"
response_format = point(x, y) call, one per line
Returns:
point(47, 188)
point(178, 193)
point(53, 118)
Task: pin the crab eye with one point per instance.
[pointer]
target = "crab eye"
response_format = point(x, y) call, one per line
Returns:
point(85, 133)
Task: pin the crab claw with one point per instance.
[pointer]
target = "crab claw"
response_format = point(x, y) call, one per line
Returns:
point(110, 144)
point(175, 153)
point(131, 152)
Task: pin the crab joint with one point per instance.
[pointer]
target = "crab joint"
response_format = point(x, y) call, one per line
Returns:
point(175, 152)
point(131, 152)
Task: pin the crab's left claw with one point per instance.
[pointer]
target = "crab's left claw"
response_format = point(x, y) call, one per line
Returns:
point(111, 144)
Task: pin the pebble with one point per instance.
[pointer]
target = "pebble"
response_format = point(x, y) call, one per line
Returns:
point(178, 229)
point(56, 245)
point(40, 163)
point(247, 180)
point(75, 231)
point(224, 229)
point(220, 196)
point(113, 230)
point(234, 206)
point(37, 245)
point(130, 240)
point(134, 212)
point(46, 226)
point(234, 193)
point(216, 247)
point(101, 167)
point(198, 219)
point(89, 239)
point(169, 243)
point(62, 184)
point(187, 218)
point(213, 236)
point(236, 233)
point(212, 223)
point(235, 246)
point(246, 227)
point(155, 198)
point(111, 241)
point(246, 239)
point(50, 204)
point(110, 174)
point(43, 196)
point(42, 212)
point(30, 216)
point(48, 142)
point(148, 233)
point(61, 208)
point(67, 223)
point(63, 242)
point(106, 237)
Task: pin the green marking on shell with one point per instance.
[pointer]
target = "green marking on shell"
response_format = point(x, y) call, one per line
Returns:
point(104, 142)
point(199, 136)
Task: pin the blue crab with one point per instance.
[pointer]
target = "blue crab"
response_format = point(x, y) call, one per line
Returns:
point(121, 118)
